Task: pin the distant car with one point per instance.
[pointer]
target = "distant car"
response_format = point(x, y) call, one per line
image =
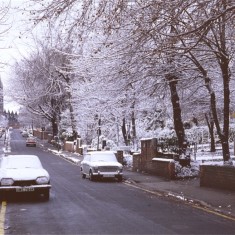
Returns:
point(101, 164)
point(31, 141)
point(24, 174)
point(25, 134)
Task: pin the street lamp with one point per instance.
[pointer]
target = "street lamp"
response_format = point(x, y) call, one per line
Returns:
point(99, 133)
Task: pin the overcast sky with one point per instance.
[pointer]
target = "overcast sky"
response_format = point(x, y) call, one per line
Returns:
point(15, 43)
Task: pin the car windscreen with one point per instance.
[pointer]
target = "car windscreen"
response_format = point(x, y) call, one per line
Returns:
point(15, 163)
point(103, 157)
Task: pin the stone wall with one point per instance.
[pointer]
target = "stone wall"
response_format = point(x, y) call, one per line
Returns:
point(215, 176)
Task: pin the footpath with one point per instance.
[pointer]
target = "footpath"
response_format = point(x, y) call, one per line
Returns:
point(216, 201)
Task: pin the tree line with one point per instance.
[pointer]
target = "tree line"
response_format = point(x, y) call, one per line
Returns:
point(130, 66)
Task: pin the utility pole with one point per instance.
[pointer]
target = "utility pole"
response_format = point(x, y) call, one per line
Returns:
point(99, 133)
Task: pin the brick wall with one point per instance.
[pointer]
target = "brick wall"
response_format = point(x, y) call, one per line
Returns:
point(164, 167)
point(148, 149)
point(135, 163)
point(147, 160)
point(41, 134)
point(222, 177)
point(156, 166)
point(69, 146)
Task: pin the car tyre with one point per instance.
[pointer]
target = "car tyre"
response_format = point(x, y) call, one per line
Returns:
point(83, 176)
point(119, 178)
point(91, 176)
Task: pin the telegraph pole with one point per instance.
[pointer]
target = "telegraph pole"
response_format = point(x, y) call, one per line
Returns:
point(99, 133)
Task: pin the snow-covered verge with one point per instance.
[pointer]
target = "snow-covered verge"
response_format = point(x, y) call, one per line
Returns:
point(202, 156)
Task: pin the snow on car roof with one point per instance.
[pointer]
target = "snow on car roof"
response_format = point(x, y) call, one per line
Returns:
point(103, 155)
point(101, 152)
point(20, 161)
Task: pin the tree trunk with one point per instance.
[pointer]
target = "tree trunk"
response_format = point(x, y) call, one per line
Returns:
point(223, 136)
point(178, 124)
point(72, 118)
point(225, 143)
point(223, 61)
point(224, 66)
point(54, 127)
point(124, 131)
point(210, 123)
point(133, 129)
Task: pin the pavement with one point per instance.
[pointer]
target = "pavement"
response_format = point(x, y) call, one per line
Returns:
point(216, 201)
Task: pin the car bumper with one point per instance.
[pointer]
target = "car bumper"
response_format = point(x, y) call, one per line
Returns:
point(108, 174)
point(33, 188)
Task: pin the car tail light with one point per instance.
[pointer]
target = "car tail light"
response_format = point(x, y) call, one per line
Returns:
point(7, 181)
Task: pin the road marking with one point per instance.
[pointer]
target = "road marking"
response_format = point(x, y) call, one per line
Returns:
point(2, 217)
point(214, 212)
point(146, 190)
point(208, 210)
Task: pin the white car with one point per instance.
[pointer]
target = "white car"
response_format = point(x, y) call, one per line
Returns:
point(100, 164)
point(25, 134)
point(31, 141)
point(22, 174)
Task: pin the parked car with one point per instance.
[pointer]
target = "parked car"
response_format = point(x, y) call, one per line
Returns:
point(23, 174)
point(101, 164)
point(25, 134)
point(31, 141)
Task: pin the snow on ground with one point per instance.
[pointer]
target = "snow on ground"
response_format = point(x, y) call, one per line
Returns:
point(70, 157)
point(201, 156)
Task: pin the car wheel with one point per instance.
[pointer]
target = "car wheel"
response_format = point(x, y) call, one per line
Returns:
point(119, 178)
point(83, 176)
point(91, 176)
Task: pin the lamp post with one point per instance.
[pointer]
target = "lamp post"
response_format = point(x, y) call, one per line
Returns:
point(99, 133)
